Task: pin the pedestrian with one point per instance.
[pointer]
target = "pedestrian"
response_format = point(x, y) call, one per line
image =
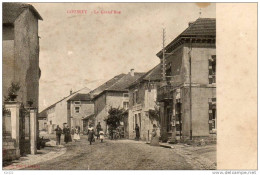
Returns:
point(72, 132)
point(98, 128)
point(90, 134)
point(76, 134)
point(101, 134)
point(137, 132)
point(155, 137)
point(67, 136)
point(58, 134)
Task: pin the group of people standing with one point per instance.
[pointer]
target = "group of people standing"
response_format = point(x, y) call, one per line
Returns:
point(68, 134)
point(74, 134)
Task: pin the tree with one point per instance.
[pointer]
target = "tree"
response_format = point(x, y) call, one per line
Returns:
point(116, 115)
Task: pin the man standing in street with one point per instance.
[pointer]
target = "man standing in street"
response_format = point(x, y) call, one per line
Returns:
point(98, 128)
point(58, 134)
point(137, 132)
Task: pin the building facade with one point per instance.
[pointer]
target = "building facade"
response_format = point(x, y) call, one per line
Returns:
point(57, 114)
point(142, 101)
point(112, 94)
point(80, 106)
point(188, 96)
point(20, 69)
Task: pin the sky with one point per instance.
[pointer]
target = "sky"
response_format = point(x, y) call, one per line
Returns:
point(86, 49)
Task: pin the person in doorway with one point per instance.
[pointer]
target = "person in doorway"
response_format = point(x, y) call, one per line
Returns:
point(98, 128)
point(90, 134)
point(58, 134)
point(76, 134)
point(137, 132)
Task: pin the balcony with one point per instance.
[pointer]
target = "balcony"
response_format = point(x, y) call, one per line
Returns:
point(164, 93)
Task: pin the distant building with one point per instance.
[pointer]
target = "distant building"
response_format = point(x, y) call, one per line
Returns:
point(113, 93)
point(180, 118)
point(142, 102)
point(80, 106)
point(59, 113)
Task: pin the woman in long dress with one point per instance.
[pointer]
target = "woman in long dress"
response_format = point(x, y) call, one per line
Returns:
point(155, 137)
point(76, 134)
point(90, 134)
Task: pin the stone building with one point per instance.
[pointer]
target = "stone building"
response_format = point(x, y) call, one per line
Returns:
point(113, 93)
point(142, 102)
point(80, 106)
point(189, 109)
point(20, 66)
point(59, 112)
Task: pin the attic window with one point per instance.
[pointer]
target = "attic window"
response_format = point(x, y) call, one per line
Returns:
point(125, 95)
point(77, 103)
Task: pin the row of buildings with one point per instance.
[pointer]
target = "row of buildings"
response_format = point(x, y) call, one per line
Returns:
point(181, 90)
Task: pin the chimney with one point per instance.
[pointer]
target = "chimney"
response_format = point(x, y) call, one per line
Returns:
point(132, 72)
point(190, 23)
point(70, 91)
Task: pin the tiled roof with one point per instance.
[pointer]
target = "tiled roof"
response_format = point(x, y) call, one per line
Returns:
point(80, 97)
point(11, 10)
point(118, 83)
point(124, 82)
point(53, 105)
point(152, 75)
point(106, 85)
point(201, 28)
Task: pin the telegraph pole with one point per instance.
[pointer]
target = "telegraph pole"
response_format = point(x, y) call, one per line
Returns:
point(190, 94)
point(163, 61)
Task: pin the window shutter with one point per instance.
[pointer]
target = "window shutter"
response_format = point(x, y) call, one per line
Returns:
point(210, 116)
point(210, 126)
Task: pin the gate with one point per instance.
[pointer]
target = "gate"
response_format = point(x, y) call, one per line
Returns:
point(24, 130)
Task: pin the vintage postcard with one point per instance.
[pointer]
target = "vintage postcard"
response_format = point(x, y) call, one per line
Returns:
point(124, 86)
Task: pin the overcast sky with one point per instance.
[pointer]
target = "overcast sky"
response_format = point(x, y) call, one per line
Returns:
point(85, 50)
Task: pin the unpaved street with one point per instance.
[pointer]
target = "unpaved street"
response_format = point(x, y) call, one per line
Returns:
point(116, 155)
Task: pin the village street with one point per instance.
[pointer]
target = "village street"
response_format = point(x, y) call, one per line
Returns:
point(127, 155)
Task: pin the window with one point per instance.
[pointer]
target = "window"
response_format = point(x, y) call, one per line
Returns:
point(212, 116)
point(125, 104)
point(77, 103)
point(212, 69)
point(135, 97)
point(77, 109)
point(125, 95)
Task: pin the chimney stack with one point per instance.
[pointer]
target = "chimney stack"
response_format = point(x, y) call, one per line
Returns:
point(70, 91)
point(132, 72)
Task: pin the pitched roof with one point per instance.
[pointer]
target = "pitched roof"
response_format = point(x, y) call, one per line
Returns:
point(53, 105)
point(152, 75)
point(106, 85)
point(11, 10)
point(80, 97)
point(124, 82)
point(119, 83)
point(201, 28)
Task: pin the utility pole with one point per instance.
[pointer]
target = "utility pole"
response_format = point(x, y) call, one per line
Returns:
point(163, 61)
point(190, 94)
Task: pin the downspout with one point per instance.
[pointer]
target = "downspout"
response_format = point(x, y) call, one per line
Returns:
point(190, 90)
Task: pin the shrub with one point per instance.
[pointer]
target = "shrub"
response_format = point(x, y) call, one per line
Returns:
point(164, 136)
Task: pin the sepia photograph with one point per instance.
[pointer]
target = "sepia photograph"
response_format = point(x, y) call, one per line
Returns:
point(109, 86)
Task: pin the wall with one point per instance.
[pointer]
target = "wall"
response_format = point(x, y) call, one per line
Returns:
point(100, 110)
point(26, 50)
point(145, 102)
point(86, 109)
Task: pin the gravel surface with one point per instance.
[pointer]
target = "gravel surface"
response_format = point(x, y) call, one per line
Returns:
point(116, 155)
